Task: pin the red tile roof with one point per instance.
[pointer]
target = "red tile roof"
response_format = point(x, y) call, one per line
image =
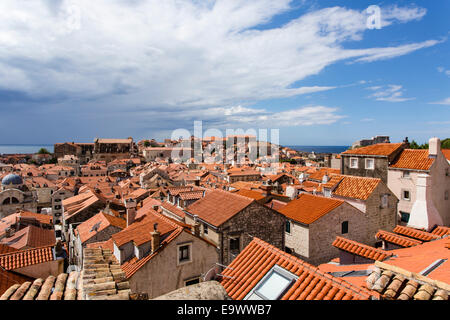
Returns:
point(309, 208)
point(173, 209)
point(414, 159)
point(252, 264)
point(31, 237)
point(446, 153)
point(6, 249)
point(397, 239)
point(24, 258)
point(219, 206)
point(360, 249)
point(97, 223)
point(416, 234)
point(251, 194)
point(441, 231)
point(380, 149)
point(418, 258)
point(8, 279)
point(140, 231)
point(356, 187)
point(132, 266)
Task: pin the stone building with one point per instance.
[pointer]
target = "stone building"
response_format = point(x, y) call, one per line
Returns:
point(371, 196)
point(421, 181)
point(313, 222)
point(153, 247)
point(83, 151)
point(371, 161)
point(111, 149)
point(14, 194)
point(231, 221)
point(97, 228)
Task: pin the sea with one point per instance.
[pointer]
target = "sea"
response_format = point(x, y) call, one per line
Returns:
point(23, 148)
point(320, 149)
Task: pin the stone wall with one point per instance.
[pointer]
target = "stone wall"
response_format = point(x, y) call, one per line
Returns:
point(254, 221)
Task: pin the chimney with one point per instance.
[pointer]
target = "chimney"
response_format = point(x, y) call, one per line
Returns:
point(424, 214)
point(155, 238)
point(155, 207)
point(325, 178)
point(130, 205)
point(9, 232)
point(434, 146)
point(196, 226)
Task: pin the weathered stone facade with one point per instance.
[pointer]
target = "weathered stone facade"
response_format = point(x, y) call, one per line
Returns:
point(256, 220)
point(152, 277)
point(312, 243)
point(380, 167)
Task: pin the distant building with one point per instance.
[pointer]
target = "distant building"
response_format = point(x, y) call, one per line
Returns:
point(368, 142)
point(14, 194)
point(84, 151)
point(111, 149)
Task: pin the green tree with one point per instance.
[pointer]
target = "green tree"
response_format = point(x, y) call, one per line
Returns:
point(146, 143)
point(445, 144)
point(43, 151)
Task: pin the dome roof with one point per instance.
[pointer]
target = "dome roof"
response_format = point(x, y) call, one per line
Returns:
point(12, 179)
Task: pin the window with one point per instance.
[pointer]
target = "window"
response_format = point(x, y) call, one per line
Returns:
point(406, 195)
point(404, 216)
point(205, 228)
point(192, 281)
point(370, 164)
point(446, 195)
point(344, 227)
point(406, 175)
point(184, 253)
point(288, 226)
point(273, 285)
point(234, 244)
point(354, 163)
point(384, 201)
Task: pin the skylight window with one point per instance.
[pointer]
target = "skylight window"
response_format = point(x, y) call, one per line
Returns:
point(273, 285)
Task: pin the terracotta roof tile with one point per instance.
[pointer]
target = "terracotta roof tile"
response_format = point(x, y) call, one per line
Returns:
point(139, 231)
point(416, 234)
point(397, 239)
point(251, 194)
point(24, 258)
point(355, 187)
point(441, 231)
point(380, 149)
point(251, 265)
point(394, 283)
point(308, 208)
point(414, 159)
point(360, 249)
point(31, 236)
point(446, 153)
point(97, 223)
point(219, 206)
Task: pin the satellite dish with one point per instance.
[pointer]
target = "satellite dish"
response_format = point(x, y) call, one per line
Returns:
point(211, 274)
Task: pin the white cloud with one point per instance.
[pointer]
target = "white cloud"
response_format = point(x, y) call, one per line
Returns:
point(390, 93)
point(443, 70)
point(446, 102)
point(367, 120)
point(175, 54)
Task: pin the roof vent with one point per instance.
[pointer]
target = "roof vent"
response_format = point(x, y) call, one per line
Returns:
point(432, 267)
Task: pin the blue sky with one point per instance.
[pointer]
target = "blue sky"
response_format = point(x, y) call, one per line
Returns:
point(73, 70)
